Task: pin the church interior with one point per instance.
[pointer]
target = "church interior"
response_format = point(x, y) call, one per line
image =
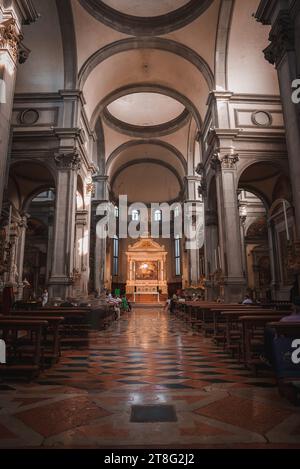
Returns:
point(125, 125)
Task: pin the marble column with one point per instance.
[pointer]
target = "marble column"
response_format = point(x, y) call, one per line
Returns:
point(195, 216)
point(13, 14)
point(20, 253)
point(100, 248)
point(60, 283)
point(10, 39)
point(281, 53)
point(211, 244)
point(81, 252)
point(229, 226)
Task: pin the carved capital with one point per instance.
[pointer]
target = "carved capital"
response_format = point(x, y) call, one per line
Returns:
point(91, 189)
point(10, 38)
point(229, 161)
point(70, 161)
point(282, 38)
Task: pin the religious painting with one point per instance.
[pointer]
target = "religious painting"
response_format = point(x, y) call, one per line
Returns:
point(146, 270)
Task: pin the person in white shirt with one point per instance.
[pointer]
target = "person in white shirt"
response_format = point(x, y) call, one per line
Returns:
point(247, 300)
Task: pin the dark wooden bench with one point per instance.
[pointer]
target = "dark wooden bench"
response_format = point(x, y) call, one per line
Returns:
point(233, 329)
point(252, 338)
point(51, 340)
point(22, 359)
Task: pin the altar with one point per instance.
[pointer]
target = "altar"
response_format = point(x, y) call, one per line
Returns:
point(146, 269)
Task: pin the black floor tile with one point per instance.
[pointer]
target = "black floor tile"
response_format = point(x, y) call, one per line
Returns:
point(153, 413)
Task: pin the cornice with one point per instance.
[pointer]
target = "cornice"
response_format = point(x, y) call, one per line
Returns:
point(27, 11)
point(282, 38)
point(265, 11)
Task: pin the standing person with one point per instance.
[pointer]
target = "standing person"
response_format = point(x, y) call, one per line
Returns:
point(168, 304)
point(45, 297)
point(125, 306)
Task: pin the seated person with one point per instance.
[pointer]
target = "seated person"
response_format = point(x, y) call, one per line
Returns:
point(116, 302)
point(247, 300)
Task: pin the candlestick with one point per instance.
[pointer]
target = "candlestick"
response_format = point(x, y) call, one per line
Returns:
point(219, 256)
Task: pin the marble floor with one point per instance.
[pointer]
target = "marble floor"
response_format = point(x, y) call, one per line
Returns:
point(147, 381)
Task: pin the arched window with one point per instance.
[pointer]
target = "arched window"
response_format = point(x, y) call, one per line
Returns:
point(157, 215)
point(135, 215)
point(177, 256)
point(115, 255)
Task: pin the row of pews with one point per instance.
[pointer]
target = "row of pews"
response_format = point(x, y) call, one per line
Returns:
point(240, 330)
point(34, 338)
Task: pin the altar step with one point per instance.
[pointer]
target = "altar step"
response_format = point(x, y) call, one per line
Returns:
point(147, 305)
point(147, 299)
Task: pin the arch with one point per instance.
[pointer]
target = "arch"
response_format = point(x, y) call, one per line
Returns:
point(65, 14)
point(276, 203)
point(33, 195)
point(246, 164)
point(147, 160)
point(223, 31)
point(142, 88)
point(128, 44)
point(114, 155)
point(142, 26)
point(37, 186)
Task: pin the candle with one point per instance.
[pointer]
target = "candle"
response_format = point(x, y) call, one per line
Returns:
point(216, 260)
point(286, 221)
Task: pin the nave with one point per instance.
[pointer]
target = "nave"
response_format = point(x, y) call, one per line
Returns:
point(147, 380)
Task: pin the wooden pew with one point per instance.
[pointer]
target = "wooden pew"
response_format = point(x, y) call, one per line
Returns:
point(233, 330)
point(219, 321)
point(31, 362)
point(77, 322)
point(51, 340)
point(253, 335)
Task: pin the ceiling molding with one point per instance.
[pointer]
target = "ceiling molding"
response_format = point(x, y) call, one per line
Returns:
point(134, 43)
point(144, 131)
point(146, 26)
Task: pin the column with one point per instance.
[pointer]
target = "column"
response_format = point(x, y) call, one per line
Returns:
point(20, 254)
point(281, 53)
point(10, 38)
point(211, 244)
point(12, 51)
point(60, 283)
point(80, 287)
point(229, 226)
point(100, 274)
point(49, 247)
point(195, 186)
